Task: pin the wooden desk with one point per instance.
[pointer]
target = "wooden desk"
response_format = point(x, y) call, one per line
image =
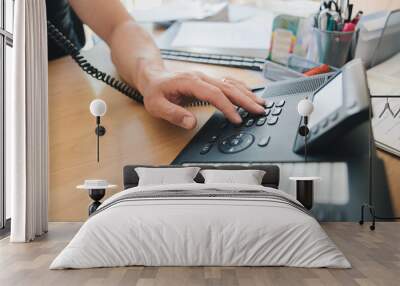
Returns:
point(132, 137)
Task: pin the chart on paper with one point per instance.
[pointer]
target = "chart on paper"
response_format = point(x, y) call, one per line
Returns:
point(386, 124)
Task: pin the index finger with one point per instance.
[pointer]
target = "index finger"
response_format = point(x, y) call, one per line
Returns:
point(207, 92)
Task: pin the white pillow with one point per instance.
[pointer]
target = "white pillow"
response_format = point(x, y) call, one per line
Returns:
point(247, 177)
point(166, 176)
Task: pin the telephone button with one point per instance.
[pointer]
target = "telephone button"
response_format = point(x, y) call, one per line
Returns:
point(264, 141)
point(261, 121)
point(272, 120)
point(243, 113)
point(236, 143)
point(249, 122)
point(267, 112)
point(334, 116)
point(276, 111)
point(206, 148)
point(280, 103)
point(213, 139)
point(269, 104)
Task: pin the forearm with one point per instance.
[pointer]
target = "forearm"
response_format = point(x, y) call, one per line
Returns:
point(133, 51)
point(134, 54)
point(139, 62)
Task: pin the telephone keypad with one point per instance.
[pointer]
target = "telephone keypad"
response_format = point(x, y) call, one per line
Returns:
point(242, 140)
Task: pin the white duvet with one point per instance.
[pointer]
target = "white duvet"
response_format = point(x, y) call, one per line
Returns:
point(200, 231)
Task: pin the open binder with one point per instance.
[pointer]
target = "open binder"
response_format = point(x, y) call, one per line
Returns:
point(385, 87)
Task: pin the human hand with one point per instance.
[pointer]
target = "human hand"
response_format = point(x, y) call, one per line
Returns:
point(165, 93)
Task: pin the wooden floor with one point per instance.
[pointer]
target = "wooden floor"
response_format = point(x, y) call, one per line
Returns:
point(375, 257)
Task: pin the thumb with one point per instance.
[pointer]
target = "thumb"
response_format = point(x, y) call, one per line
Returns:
point(173, 113)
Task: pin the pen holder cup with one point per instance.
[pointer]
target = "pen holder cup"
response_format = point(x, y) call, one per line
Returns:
point(331, 47)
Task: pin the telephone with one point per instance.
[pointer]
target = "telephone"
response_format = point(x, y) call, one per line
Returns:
point(70, 49)
point(341, 105)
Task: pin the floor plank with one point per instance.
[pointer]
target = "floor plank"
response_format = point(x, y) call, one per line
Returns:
point(375, 257)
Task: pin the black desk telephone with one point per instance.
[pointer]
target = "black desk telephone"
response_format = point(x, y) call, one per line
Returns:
point(341, 105)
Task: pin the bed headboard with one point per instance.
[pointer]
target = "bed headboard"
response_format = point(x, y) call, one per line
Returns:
point(270, 179)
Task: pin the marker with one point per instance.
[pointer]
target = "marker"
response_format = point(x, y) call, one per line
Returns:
point(318, 70)
point(357, 17)
point(349, 27)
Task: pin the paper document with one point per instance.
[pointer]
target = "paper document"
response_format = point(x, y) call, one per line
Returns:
point(250, 34)
point(383, 79)
point(301, 8)
point(178, 10)
point(386, 124)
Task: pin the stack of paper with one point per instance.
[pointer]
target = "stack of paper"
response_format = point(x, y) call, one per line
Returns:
point(383, 79)
point(254, 33)
point(179, 11)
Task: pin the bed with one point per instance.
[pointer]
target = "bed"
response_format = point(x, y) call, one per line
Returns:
point(201, 224)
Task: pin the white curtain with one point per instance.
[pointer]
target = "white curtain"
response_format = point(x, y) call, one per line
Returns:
point(26, 123)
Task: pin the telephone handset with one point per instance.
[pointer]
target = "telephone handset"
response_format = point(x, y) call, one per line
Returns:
point(87, 67)
point(73, 51)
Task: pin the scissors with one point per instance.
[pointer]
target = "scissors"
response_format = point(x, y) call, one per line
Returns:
point(329, 17)
point(331, 5)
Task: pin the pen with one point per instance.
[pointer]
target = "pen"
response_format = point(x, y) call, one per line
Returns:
point(323, 20)
point(331, 24)
point(357, 17)
point(344, 10)
point(350, 12)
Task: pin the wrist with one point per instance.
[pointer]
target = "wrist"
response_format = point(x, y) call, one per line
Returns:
point(146, 73)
